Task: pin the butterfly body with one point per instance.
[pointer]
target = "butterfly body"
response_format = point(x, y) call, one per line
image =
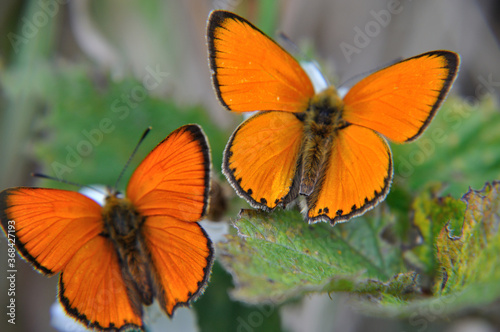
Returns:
point(123, 226)
point(333, 151)
point(322, 119)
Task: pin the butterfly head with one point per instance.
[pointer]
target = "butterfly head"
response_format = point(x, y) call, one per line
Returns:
point(112, 191)
point(324, 114)
point(326, 107)
point(120, 215)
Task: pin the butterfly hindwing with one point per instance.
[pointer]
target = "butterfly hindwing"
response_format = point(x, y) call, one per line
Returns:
point(250, 71)
point(182, 257)
point(401, 100)
point(92, 289)
point(260, 159)
point(357, 176)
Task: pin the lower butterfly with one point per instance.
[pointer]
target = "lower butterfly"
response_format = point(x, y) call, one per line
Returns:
point(113, 259)
point(331, 151)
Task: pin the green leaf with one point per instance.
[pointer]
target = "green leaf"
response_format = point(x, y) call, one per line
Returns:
point(471, 260)
point(460, 148)
point(430, 214)
point(467, 259)
point(279, 256)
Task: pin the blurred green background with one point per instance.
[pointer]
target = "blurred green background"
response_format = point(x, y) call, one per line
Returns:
point(81, 80)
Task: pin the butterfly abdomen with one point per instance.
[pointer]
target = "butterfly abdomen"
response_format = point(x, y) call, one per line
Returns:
point(123, 227)
point(322, 118)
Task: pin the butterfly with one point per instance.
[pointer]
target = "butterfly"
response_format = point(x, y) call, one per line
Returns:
point(331, 151)
point(112, 259)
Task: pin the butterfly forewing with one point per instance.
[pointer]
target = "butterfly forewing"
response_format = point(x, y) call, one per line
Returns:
point(174, 179)
point(51, 225)
point(400, 100)
point(250, 71)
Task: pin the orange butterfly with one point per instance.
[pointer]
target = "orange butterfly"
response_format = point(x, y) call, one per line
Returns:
point(331, 151)
point(114, 259)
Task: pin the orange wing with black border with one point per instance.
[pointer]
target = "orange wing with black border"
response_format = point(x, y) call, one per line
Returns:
point(400, 101)
point(170, 189)
point(59, 231)
point(261, 158)
point(92, 289)
point(250, 72)
point(357, 177)
point(174, 179)
point(51, 225)
point(182, 257)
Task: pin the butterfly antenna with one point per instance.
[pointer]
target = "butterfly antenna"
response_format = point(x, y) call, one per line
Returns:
point(148, 129)
point(360, 76)
point(306, 61)
point(290, 44)
point(296, 50)
point(48, 177)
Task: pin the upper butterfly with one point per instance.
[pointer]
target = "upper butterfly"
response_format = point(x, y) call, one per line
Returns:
point(330, 150)
point(115, 258)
